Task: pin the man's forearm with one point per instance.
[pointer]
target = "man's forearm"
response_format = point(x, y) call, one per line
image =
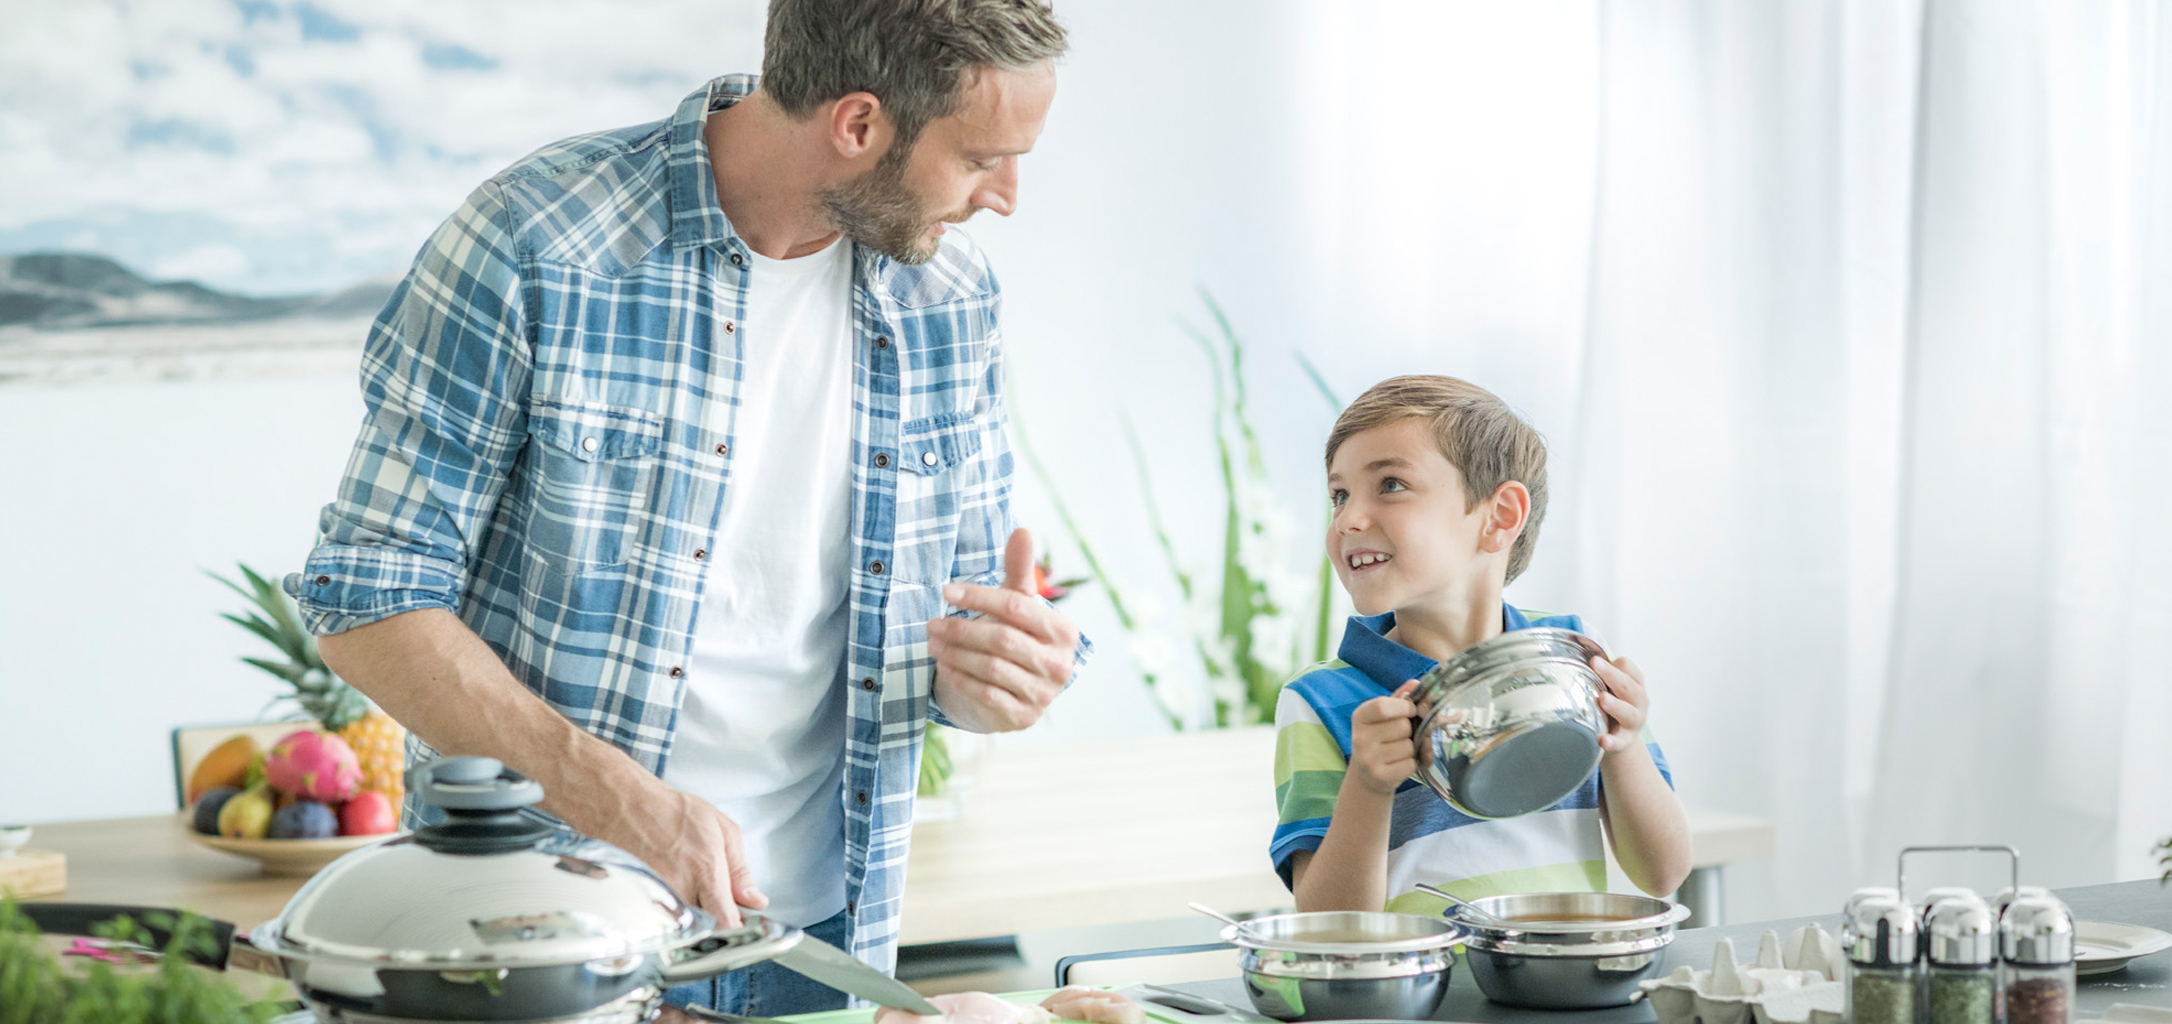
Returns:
point(428, 670)
point(1650, 832)
point(1350, 869)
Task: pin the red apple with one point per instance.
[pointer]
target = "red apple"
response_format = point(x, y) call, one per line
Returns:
point(369, 813)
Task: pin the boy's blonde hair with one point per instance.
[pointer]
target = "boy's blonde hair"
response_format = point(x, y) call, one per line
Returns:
point(1477, 432)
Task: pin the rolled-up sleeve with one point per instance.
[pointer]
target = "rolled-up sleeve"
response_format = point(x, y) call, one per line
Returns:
point(444, 376)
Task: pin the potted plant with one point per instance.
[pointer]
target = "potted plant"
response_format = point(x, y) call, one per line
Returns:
point(36, 989)
point(1264, 618)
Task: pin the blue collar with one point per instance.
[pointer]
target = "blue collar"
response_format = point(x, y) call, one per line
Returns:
point(697, 218)
point(1366, 647)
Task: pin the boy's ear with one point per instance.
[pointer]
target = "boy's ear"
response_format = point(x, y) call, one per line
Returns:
point(1506, 514)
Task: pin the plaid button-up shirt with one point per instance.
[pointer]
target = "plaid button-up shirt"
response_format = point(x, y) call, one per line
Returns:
point(538, 456)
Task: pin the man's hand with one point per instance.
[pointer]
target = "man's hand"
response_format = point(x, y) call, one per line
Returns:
point(1626, 702)
point(998, 673)
point(1382, 751)
point(695, 849)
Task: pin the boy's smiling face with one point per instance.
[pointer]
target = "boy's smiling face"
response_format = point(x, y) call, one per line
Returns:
point(1401, 534)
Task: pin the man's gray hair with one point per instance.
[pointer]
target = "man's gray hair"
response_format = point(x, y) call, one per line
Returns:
point(913, 55)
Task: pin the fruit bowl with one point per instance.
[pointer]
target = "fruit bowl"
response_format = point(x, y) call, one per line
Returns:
point(293, 858)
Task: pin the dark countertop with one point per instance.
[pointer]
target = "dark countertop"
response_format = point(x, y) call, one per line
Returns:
point(2147, 980)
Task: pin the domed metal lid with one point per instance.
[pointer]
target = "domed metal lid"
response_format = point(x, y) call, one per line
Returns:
point(1961, 932)
point(2037, 931)
point(1880, 931)
point(490, 887)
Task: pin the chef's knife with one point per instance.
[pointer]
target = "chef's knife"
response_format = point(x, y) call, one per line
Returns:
point(842, 971)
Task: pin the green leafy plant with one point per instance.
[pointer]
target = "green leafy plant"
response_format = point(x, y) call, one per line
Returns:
point(36, 989)
point(273, 617)
point(1248, 633)
point(2164, 859)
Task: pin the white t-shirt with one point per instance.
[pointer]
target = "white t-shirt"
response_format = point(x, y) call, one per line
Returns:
point(761, 730)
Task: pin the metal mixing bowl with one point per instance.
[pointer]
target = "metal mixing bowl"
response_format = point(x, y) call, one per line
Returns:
point(1511, 725)
point(1567, 950)
point(1339, 965)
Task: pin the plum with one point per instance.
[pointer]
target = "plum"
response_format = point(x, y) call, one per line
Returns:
point(206, 817)
point(304, 819)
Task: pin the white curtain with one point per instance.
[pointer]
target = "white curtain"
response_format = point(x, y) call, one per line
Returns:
point(1847, 322)
point(1871, 443)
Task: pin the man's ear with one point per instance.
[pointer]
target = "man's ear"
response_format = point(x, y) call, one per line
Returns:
point(858, 126)
point(1506, 513)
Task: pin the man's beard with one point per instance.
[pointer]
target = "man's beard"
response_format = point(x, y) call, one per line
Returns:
point(877, 210)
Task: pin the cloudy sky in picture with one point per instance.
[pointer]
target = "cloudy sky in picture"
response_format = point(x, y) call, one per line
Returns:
point(271, 147)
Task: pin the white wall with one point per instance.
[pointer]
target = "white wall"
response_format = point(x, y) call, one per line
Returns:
point(1186, 149)
point(118, 496)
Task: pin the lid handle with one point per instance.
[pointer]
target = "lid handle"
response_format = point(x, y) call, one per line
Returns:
point(473, 784)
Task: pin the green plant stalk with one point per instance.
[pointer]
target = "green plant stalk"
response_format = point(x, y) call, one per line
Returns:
point(1237, 606)
point(1153, 513)
point(1323, 620)
point(1207, 657)
point(935, 765)
point(1093, 563)
point(1327, 562)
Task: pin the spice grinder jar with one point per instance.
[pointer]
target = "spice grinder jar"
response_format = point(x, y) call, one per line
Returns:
point(1881, 939)
point(1961, 957)
point(2036, 942)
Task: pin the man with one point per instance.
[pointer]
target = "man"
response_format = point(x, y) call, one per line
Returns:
point(680, 440)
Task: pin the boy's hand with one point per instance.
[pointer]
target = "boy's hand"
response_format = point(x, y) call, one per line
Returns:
point(1382, 752)
point(1626, 702)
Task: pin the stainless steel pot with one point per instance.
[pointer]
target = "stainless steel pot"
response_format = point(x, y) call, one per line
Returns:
point(1336, 965)
point(492, 915)
point(1567, 950)
point(1511, 725)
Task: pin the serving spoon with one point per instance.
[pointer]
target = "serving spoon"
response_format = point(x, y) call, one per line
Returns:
point(1468, 908)
point(1216, 914)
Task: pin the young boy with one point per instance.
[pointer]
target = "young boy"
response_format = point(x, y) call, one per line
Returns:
point(1438, 492)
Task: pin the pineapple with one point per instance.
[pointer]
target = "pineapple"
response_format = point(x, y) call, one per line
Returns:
point(379, 742)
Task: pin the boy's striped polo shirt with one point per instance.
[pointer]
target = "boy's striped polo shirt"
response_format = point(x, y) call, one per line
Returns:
point(1561, 848)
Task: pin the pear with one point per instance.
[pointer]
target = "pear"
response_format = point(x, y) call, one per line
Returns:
point(248, 815)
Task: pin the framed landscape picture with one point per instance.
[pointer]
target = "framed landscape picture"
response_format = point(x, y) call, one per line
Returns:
point(209, 187)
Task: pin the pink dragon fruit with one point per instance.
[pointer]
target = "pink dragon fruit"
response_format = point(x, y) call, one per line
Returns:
point(313, 765)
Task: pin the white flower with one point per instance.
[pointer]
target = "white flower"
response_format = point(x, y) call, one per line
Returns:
point(1152, 652)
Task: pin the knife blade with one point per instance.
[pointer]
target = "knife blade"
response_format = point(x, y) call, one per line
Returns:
point(842, 971)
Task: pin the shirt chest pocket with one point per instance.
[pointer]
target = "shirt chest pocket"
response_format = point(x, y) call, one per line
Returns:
point(593, 468)
point(938, 493)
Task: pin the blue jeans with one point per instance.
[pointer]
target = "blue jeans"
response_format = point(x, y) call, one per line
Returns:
point(765, 989)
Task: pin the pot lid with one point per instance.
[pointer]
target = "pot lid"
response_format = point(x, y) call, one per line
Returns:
point(1344, 932)
point(491, 886)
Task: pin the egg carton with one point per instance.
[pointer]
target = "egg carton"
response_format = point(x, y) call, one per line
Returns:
point(1798, 983)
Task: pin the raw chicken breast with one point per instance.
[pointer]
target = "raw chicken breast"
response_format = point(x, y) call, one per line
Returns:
point(968, 1008)
point(1099, 1006)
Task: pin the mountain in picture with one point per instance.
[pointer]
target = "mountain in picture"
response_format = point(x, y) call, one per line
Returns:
point(64, 291)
